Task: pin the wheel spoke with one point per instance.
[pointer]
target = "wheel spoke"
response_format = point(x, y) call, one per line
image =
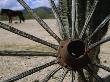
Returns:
point(74, 19)
point(99, 43)
point(55, 12)
point(57, 16)
point(51, 74)
point(26, 35)
point(63, 76)
point(98, 78)
point(81, 73)
point(29, 72)
point(39, 20)
point(76, 22)
point(89, 18)
point(102, 66)
point(68, 11)
point(72, 76)
point(64, 16)
point(26, 53)
point(99, 27)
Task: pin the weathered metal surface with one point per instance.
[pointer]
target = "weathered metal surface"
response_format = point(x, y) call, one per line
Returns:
point(64, 17)
point(102, 66)
point(26, 53)
point(81, 73)
point(106, 39)
point(72, 76)
point(26, 35)
point(72, 55)
point(89, 18)
point(29, 72)
point(63, 50)
point(56, 13)
point(39, 20)
point(74, 17)
point(51, 74)
point(98, 78)
point(99, 27)
point(63, 76)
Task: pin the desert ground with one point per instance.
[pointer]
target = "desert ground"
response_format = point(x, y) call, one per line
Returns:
point(10, 66)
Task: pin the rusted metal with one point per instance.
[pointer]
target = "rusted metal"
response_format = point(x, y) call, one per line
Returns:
point(102, 66)
point(76, 22)
point(26, 53)
point(72, 76)
point(71, 54)
point(99, 27)
point(75, 33)
point(89, 18)
point(57, 15)
point(81, 73)
point(64, 16)
point(63, 76)
point(97, 77)
point(51, 74)
point(73, 18)
point(55, 12)
point(104, 40)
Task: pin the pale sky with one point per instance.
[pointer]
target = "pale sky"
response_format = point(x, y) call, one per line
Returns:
point(13, 4)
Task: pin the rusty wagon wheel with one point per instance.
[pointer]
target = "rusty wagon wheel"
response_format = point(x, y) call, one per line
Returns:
point(75, 46)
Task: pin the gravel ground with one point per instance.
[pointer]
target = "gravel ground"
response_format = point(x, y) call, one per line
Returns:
point(13, 65)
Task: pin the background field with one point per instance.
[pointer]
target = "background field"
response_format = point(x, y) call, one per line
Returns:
point(14, 65)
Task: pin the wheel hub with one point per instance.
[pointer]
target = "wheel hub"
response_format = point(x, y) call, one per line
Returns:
point(72, 55)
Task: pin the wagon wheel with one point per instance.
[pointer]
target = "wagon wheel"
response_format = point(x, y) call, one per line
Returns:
point(74, 50)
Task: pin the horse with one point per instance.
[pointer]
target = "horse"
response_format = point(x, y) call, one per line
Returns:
point(12, 13)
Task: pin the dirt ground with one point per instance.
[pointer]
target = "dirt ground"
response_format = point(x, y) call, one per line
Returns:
point(10, 66)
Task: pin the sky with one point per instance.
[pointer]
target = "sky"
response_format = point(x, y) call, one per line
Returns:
point(13, 4)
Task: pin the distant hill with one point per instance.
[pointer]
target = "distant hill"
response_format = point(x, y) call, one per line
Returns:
point(43, 12)
point(46, 9)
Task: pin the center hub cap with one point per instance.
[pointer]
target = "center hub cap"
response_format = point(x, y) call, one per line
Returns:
point(72, 55)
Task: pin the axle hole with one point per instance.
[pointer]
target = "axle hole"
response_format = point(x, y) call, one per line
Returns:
point(76, 48)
